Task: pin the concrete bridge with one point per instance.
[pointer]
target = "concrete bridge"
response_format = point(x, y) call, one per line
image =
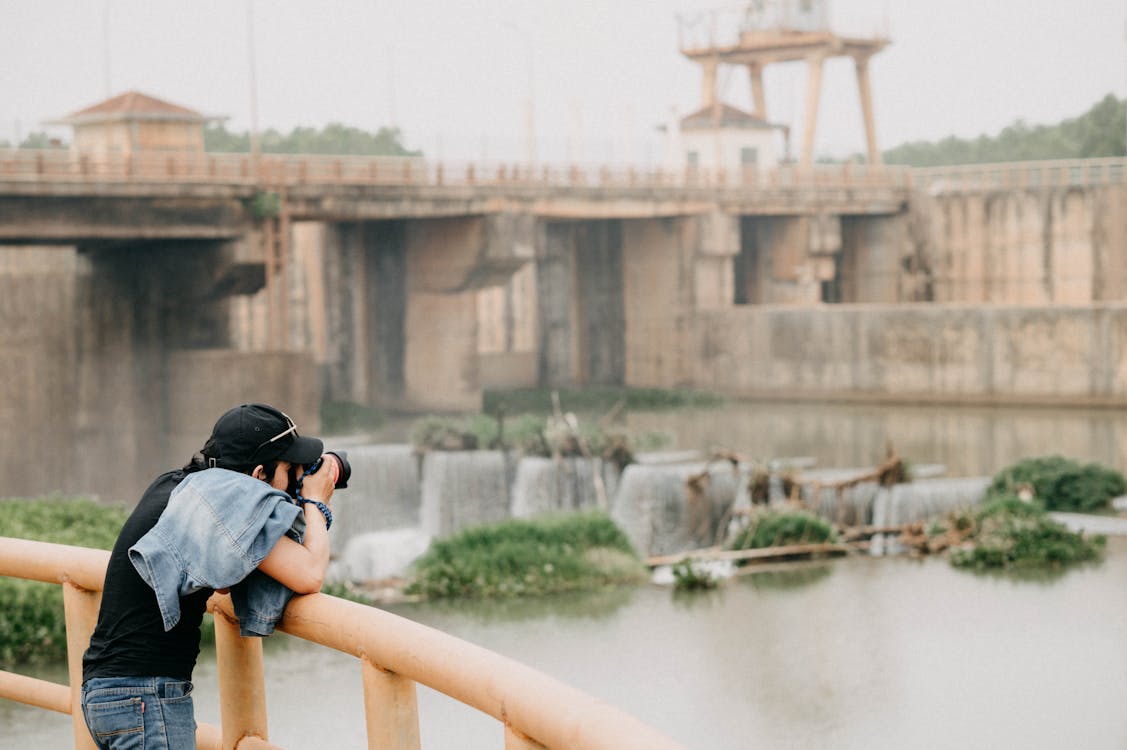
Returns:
point(181, 285)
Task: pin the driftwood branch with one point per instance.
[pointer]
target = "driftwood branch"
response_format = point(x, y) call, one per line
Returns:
point(763, 553)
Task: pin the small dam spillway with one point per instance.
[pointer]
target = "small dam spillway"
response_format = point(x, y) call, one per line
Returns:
point(399, 500)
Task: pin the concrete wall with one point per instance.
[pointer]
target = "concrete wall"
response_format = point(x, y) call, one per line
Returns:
point(658, 296)
point(580, 308)
point(1035, 246)
point(109, 374)
point(1003, 354)
point(38, 380)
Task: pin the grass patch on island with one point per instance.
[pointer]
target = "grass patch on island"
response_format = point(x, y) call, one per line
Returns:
point(1060, 484)
point(1010, 534)
point(780, 528)
point(582, 551)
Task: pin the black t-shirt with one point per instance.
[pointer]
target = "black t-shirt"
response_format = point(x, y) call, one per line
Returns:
point(129, 639)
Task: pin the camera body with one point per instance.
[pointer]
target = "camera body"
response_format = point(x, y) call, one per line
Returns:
point(338, 464)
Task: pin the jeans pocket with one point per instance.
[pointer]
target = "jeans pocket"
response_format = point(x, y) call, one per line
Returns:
point(119, 724)
point(174, 692)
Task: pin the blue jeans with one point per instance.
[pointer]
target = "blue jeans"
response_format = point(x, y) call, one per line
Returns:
point(139, 713)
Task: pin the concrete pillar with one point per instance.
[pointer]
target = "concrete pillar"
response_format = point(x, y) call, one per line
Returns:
point(872, 249)
point(708, 84)
point(448, 262)
point(813, 97)
point(1109, 236)
point(579, 289)
point(862, 66)
point(658, 288)
point(140, 303)
point(598, 276)
point(39, 373)
point(557, 305)
point(758, 95)
point(713, 266)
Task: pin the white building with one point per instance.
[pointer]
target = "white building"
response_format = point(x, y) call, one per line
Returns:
point(724, 137)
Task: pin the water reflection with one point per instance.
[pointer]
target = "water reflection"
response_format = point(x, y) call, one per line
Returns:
point(856, 652)
point(970, 440)
point(583, 605)
point(788, 580)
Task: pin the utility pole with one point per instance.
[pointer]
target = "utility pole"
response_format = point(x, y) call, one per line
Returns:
point(254, 144)
point(106, 48)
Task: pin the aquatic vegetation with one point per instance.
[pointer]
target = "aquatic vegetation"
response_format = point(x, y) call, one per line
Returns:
point(596, 400)
point(530, 434)
point(1010, 533)
point(338, 417)
point(528, 557)
point(1059, 483)
point(691, 575)
point(32, 628)
point(777, 528)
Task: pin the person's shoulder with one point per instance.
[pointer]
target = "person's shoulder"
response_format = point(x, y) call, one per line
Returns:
point(164, 484)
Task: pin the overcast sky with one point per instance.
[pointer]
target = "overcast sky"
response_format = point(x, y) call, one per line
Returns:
point(457, 75)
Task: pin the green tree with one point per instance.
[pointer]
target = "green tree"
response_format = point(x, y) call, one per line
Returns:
point(1098, 132)
point(40, 139)
point(334, 138)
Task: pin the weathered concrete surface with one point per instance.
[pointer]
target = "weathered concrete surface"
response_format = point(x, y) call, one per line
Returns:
point(935, 352)
point(70, 220)
point(1037, 246)
point(38, 382)
point(108, 376)
point(658, 297)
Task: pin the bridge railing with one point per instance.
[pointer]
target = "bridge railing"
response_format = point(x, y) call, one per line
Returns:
point(278, 170)
point(1024, 174)
point(393, 654)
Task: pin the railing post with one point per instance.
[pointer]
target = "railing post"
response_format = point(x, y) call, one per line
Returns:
point(242, 686)
point(80, 609)
point(391, 709)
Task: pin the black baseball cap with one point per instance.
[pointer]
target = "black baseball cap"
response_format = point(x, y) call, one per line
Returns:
point(252, 434)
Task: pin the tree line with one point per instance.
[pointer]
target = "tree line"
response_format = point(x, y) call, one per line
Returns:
point(1101, 131)
point(334, 138)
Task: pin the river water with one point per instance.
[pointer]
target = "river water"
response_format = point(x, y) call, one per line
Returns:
point(851, 653)
point(855, 653)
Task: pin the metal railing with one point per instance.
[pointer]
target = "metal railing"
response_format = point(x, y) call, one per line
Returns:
point(60, 165)
point(1022, 174)
point(394, 654)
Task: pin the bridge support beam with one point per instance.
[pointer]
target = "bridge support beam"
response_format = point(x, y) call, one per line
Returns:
point(398, 302)
point(580, 304)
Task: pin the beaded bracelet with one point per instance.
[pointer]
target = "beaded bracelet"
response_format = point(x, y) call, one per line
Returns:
point(328, 514)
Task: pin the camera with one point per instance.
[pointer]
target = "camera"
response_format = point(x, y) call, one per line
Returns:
point(338, 465)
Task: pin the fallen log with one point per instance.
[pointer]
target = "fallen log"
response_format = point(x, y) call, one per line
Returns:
point(762, 553)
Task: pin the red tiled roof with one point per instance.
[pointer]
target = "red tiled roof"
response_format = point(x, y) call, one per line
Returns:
point(726, 116)
point(134, 104)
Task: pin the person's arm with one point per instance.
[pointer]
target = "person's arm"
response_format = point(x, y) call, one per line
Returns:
point(301, 567)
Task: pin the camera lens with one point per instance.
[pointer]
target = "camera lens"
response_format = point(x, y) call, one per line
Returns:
point(344, 469)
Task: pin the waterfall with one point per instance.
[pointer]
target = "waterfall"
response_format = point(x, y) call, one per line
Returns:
point(382, 494)
point(653, 506)
point(920, 501)
point(544, 485)
point(462, 489)
point(379, 555)
point(376, 533)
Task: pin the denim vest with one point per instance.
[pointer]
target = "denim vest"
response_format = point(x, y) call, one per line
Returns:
point(218, 526)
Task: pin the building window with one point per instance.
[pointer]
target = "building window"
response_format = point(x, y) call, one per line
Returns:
point(692, 158)
point(749, 156)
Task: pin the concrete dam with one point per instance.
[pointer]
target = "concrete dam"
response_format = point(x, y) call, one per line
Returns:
point(141, 298)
